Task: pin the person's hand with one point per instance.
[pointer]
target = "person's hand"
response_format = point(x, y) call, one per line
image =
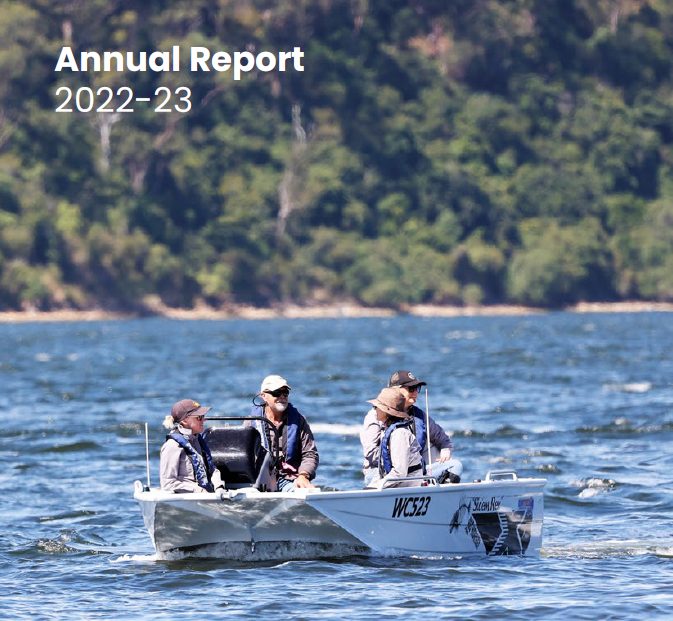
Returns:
point(303, 481)
point(445, 455)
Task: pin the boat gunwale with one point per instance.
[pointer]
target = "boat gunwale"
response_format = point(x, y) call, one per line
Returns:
point(310, 494)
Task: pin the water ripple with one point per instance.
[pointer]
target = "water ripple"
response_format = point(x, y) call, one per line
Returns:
point(586, 401)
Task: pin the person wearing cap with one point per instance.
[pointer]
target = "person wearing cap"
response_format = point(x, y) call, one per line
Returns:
point(440, 444)
point(185, 464)
point(400, 453)
point(299, 458)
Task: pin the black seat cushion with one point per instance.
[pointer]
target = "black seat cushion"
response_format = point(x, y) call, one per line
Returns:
point(237, 452)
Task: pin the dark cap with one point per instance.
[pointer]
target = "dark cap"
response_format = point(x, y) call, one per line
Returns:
point(391, 401)
point(187, 407)
point(406, 379)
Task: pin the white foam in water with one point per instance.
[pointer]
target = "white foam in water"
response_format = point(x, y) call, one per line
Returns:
point(136, 558)
point(544, 429)
point(634, 387)
point(337, 429)
point(458, 335)
point(267, 551)
point(601, 549)
point(594, 486)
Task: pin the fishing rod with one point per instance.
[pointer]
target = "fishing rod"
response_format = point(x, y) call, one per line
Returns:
point(427, 429)
point(147, 457)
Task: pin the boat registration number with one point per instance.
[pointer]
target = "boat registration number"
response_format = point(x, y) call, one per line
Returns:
point(411, 506)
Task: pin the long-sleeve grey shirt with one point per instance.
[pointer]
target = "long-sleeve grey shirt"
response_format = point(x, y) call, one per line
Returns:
point(176, 469)
point(405, 453)
point(372, 433)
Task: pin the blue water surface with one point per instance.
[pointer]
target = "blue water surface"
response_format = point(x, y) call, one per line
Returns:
point(584, 400)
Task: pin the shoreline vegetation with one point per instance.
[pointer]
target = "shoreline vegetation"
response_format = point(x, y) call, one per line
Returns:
point(460, 154)
point(330, 311)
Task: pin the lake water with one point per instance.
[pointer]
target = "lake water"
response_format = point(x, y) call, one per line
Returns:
point(583, 400)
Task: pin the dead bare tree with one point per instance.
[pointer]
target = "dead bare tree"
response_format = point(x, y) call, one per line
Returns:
point(287, 189)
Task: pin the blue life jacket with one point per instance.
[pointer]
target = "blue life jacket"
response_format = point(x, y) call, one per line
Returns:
point(385, 462)
point(419, 426)
point(292, 421)
point(203, 468)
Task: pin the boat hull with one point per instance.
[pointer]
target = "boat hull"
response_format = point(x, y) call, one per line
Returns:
point(467, 520)
point(481, 519)
point(258, 522)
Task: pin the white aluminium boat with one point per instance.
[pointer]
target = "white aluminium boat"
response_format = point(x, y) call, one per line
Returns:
point(501, 515)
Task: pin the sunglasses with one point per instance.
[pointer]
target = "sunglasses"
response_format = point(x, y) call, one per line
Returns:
point(414, 388)
point(196, 416)
point(281, 392)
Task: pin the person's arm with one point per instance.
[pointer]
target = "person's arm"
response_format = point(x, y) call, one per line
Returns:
point(440, 440)
point(370, 439)
point(172, 470)
point(216, 480)
point(309, 456)
point(400, 452)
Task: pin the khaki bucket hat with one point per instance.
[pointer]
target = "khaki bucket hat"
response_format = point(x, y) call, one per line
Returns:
point(391, 401)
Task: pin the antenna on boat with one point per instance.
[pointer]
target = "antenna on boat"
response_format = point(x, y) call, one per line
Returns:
point(427, 430)
point(147, 456)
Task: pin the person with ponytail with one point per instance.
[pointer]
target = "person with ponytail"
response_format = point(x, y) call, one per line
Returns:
point(186, 465)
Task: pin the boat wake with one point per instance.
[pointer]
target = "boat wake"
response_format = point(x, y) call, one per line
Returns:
point(617, 548)
point(136, 558)
point(266, 551)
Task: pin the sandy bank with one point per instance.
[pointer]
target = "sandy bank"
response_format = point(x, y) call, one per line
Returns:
point(318, 312)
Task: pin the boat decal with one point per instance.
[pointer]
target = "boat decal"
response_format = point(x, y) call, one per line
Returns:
point(486, 504)
point(463, 517)
point(411, 506)
point(499, 530)
point(506, 532)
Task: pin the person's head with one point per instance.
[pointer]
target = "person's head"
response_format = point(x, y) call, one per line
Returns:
point(408, 383)
point(275, 391)
point(391, 402)
point(188, 413)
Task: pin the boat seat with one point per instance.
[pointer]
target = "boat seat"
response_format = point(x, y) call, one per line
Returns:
point(239, 455)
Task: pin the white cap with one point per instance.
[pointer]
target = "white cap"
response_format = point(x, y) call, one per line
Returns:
point(273, 382)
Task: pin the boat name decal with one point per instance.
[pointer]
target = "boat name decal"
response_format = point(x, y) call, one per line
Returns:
point(411, 506)
point(486, 504)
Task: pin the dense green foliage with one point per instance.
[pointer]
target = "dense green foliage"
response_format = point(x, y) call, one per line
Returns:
point(433, 151)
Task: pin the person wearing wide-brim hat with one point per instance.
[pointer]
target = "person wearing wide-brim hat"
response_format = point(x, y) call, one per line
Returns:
point(436, 445)
point(400, 452)
point(186, 465)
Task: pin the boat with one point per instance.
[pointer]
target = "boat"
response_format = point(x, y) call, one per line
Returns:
point(499, 515)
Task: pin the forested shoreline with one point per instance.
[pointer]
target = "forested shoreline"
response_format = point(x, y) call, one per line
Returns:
point(472, 152)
